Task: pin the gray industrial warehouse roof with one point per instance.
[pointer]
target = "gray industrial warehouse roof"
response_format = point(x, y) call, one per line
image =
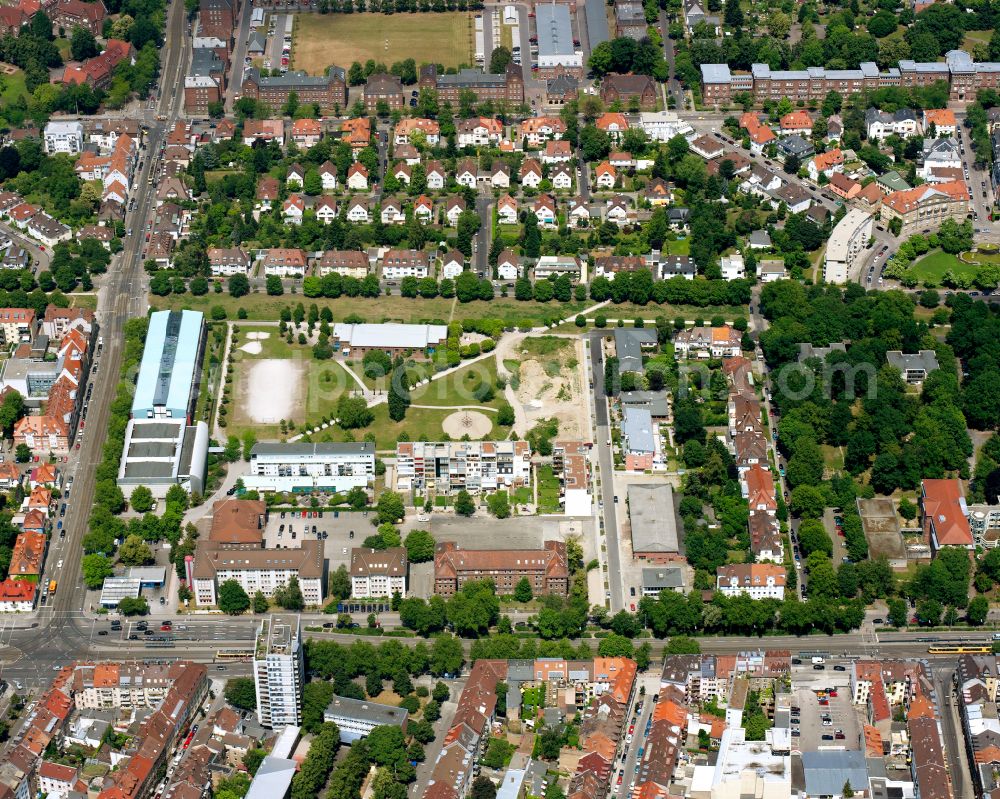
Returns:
point(555, 33)
point(651, 512)
point(826, 771)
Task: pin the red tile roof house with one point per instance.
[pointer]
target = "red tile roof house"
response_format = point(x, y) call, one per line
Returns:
point(943, 509)
point(17, 596)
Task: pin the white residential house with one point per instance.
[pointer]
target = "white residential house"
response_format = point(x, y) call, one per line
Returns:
point(63, 137)
point(296, 176)
point(562, 178)
point(579, 212)
point(392, 212)
point(397, 264)
point(452, 264)
point(328, 175)
point(545, 211)
point(531, 173)
point(558, 265)
point(500, 176)
point(605, 176)
point(403, 173)
point(423, 209)
point(378, 573)
point(357, 177)
point(326, 210)
point(508, 266)
point(466, 173)
point(436, 176)
point(939, 154)
point(293, 209)
point(619, 211)
point(228, 261)
point(358, 211)
point(454, 208)
point(47, 230)
point(507, 210)
point(284, 262)
point(478, 132)
point(733, 267)
point(881, 124)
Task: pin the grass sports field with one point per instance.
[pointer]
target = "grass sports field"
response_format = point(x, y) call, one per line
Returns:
point(342, 39)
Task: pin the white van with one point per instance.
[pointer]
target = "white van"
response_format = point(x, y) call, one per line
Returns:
point(817, 660)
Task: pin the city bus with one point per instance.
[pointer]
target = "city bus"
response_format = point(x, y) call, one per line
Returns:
point(224, 655)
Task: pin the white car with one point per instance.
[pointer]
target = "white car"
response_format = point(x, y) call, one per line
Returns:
point(59, 565)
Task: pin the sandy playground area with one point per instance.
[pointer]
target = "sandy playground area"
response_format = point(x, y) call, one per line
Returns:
point(253, 346)
point(467, 423)
point(273, 390)
point(551, 385)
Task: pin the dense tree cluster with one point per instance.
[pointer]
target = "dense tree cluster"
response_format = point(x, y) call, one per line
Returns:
point(343, 664)
point(975, 328)
point(854, 399)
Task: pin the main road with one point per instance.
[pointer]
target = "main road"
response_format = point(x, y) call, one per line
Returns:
point(60, 632)
point(602, 443)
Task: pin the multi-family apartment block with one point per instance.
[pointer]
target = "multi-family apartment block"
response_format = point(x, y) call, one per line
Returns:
point(279, 671)
point(445, 467)
point(328, 91)
point(964, 77)
point(546, 569)
point(257, 569)
point(506, 88)
point(378, 572)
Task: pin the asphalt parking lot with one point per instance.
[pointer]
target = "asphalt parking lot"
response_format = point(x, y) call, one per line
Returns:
point(337, 526)
point(840, 713)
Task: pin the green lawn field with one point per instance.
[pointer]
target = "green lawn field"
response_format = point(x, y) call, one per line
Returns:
point(933, 266)
point(342, 39)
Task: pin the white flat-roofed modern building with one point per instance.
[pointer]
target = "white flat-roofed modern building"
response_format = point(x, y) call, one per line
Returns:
point(279, 671)
point(847, 241)
point(445, 467)
point(64, 137)
point(391, 338)
point(329, 466)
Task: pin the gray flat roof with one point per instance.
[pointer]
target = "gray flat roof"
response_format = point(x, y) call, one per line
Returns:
point(148, 469)
point(365, 710)
point(628, 346)
point(715, 73)
point(555, 33)
point(656, 402)
point(925, 359)
point(273, 778)
point(651, 512)
point(325, 448)
point(115, 589)
point(826, 771)
point(597, 22)
point(637, 427)
point(472, 76)
point(143, 450)
point(663, 577)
